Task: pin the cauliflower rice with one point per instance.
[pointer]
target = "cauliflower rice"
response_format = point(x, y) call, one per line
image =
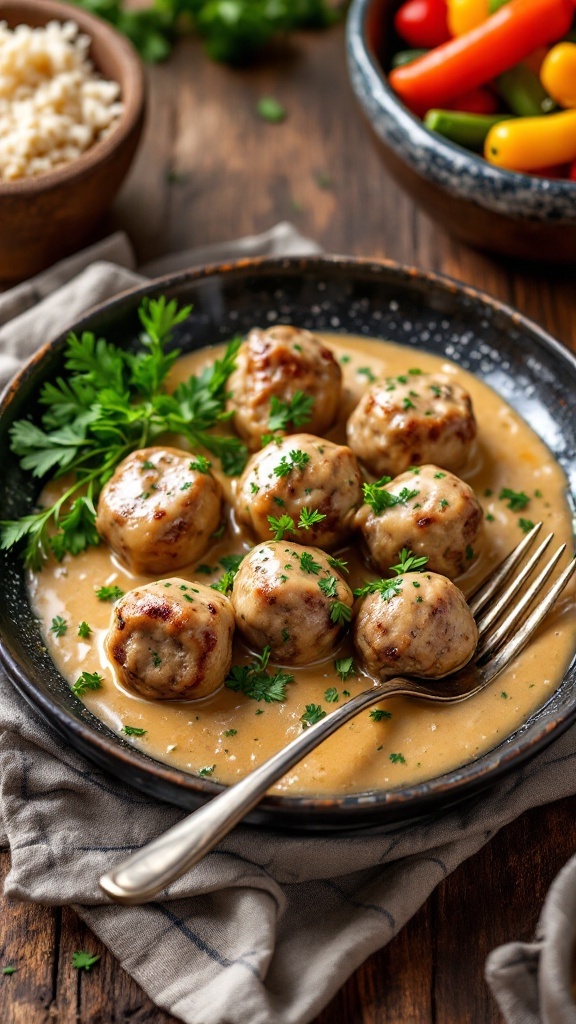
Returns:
point(53, 106)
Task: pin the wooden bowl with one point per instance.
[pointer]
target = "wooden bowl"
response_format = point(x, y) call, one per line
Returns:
point(45, 218)
point(486, 206)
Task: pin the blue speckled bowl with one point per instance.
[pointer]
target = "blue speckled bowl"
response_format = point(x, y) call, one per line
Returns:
point(493, 209)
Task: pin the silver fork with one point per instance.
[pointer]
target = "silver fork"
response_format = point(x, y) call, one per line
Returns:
point(150, 869)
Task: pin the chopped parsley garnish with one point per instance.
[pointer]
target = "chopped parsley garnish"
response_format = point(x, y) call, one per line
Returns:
point(296, 460)
point(340, 613)
point(206, 570)
point(516, 500)
point(331, 695)
point(397, 758)
point(9, 969)
point(147, 465)
point(134, 730)
point(377, 715)
point(309, 517)
point(231, 732)
point(329, 586)
point(339, 564)
point(82, 959)
point(156, 659)
point(386, 588)
point(109, 593)
point(345, 668)
point(469, 552)
point(285, 636)
point(255, 682)
point(307, 563)
point(87, 681)
point(408, 403)
point(504, 695)
point(254, 487)
point(270, 110)
point(379, 499)
point(489, 517)
point(109, 402)
point(279, 525)
point(439, 476)
point(59, 626)
point(200, 464)
point(367, 372)
point(313, 714)
point(408, 562)
point(526, 525)
point(297, 411)
point(206, 771)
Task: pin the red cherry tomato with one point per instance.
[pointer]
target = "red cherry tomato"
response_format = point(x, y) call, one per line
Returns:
point(422, 23)
point(476, 101)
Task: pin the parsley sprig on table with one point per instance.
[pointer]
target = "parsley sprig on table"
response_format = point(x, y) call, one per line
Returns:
point(109, 402)
point(254, 681)
point(233, 30)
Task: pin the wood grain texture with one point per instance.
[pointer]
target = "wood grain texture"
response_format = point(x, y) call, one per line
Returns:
point(210, 169)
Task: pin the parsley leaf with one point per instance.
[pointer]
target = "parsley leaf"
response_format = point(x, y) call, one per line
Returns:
point(206, 771)
point(307, 563)
point(9, 969)
point(133, 730)
point(297, 411)
point(200, 464)
point(296, 460)
point(340, 613)
point(517, 500)
point(408, 562)
point(59, 626)
point(309, 517)
point(270, 110)
point(254, 681)
point(109, 593)
point(226, 582)
point(377, 715)
point(397, 758)
point(379, 499)
point(313, 714)
point(386, 588)
point(87, 681)
point(281, 525)
point(329, 586)
point(526, 525)
point(345, 668)
point(81, 959)
point(331, 695)
point(84, 630)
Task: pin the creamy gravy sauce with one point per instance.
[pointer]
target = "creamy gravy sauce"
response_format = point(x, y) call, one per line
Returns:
point(431, 739)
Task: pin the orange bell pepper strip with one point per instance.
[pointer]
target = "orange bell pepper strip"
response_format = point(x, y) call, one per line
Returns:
point(558, 74)
point(531, 143)
point(500, 42)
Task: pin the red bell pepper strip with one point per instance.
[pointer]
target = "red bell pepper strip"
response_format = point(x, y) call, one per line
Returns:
point(422, 23)
point(475, 101)
point(500, 42)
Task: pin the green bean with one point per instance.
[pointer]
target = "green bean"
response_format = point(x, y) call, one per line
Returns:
point(468, 130)
point(523, 92)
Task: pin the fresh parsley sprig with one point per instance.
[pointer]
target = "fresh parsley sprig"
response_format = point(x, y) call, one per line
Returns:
point(297, 411)
point(378, 498)
point(254, 681)
point(408, 562)
point(109, 402)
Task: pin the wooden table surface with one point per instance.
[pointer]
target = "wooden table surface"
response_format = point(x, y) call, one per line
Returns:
point(210, 169)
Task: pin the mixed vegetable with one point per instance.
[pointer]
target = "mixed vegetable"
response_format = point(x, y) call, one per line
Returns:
point(495, 76)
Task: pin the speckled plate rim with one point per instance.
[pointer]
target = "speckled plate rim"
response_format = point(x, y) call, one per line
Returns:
point(446, 163)
point(335, 812)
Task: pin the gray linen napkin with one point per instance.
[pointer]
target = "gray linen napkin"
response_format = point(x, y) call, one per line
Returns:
point(267, 927)
point(533, 982)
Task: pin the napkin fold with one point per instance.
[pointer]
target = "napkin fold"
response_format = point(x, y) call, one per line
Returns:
point(269, 926)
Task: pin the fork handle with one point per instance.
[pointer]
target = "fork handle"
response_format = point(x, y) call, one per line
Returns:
point(149, 870)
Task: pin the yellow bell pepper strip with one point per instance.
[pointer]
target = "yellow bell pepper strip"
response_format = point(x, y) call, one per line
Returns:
point(464, 15)
point(499, 43)
point(558, 74)
point(530, 143)
point(523, 92)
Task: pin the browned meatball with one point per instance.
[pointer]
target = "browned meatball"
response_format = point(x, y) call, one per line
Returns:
point(291, 599)
point(171, 640)
point(159, 509)
point(427, 510)
point(427, 419)
point(418, 624)
point(272, 366)
point(303, 472)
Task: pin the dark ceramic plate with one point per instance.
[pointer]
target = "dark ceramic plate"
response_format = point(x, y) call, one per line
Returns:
point(382, 300)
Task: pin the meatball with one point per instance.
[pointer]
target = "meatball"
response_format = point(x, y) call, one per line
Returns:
point(291, 598)
point(171, 640)
point(303, 472)
point(417, 624)
point(428, 418)
point(271, 367)
point(427, 510)
point(159, 509)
